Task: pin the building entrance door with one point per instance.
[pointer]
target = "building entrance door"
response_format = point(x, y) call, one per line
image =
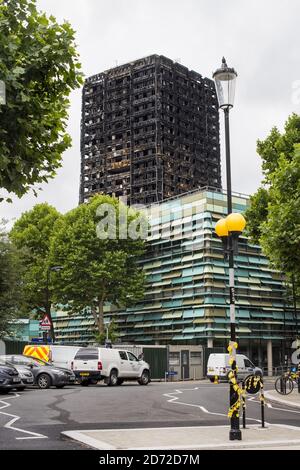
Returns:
point(185, 364)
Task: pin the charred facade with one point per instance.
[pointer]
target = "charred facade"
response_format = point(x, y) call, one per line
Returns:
point(149, 131)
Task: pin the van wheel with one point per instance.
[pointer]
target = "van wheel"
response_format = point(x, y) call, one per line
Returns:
point(212, 380)
point(145, 378)
point(44, 381)
point(113, 378)
point(120, 381)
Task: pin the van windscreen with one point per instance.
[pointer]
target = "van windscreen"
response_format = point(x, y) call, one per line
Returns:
point(87, 354)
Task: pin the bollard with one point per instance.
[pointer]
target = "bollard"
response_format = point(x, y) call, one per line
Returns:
point(262, 403)
point(283, 385)
point(244, 406)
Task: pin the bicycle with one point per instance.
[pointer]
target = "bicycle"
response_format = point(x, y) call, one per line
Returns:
point(284, 384)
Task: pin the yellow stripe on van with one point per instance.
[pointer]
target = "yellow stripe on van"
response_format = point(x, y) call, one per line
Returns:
point(38, 352)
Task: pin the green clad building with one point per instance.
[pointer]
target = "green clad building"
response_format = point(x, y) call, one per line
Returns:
point(187, 295)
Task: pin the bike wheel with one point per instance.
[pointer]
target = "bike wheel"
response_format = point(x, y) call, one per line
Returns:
point(284, 385)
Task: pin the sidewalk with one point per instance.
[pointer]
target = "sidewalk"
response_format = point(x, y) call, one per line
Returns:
point(293, 399)
point(275, 436)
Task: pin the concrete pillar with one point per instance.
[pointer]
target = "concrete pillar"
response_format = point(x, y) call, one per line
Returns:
point(270, 358)
point(210, 342)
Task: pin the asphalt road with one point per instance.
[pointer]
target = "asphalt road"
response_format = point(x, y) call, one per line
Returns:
point(34, 419)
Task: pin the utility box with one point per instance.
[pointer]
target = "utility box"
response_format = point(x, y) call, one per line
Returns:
point(186, 361)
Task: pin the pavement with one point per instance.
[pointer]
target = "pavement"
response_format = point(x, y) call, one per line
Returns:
point(274, 436)
point(293, 399)
point(40, 419)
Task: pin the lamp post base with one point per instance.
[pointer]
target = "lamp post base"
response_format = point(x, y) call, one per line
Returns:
point(235, 435)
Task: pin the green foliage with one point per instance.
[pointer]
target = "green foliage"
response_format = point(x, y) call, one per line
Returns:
point(274, 216)
point(257, 213)
point(280, 233)
point(39, 65)
point(112, 334)
point(10, 281)
point(277, 144)
point(31, 235)
point(96, 271)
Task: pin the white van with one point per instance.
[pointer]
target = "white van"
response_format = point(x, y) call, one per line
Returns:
point(112, 365)
point(62, 356)
point(218, 365)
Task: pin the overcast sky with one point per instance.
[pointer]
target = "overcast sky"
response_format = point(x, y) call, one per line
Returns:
point(259, 38)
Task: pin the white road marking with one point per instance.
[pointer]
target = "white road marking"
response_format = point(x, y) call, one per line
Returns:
point(251, 398)
point(174, 399)
point(33, 435)
point(269, 405)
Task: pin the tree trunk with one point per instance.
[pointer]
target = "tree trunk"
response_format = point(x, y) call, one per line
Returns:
point(96, 318)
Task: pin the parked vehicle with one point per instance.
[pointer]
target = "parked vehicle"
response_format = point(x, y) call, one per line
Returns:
point(45, 375)
point(57, 355)
point(218, 365)
point(9, 378)
point(62, 356)
point(25, 374)
point(111, 365)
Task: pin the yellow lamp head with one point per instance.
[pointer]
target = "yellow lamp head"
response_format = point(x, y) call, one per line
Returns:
point(235, 222)
point(221, 228)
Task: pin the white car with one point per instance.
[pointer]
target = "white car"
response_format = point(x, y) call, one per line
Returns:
point(218, 365)
point(113, 365)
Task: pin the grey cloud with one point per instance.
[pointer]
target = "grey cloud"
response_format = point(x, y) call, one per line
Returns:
point(259, 38)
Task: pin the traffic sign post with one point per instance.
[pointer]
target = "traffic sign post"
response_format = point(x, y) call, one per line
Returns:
point(253, 384)
point(45, 326)
point(45, 323)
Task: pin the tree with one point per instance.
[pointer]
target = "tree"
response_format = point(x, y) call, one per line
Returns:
point(280, 232)
point(273, 219)
point(112, 333)
point(31, 235)
point(99, 262)
point(39, 65)
point(10, 281)
point(257, 213)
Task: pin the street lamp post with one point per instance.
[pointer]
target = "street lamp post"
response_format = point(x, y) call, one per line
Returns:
point(228, 229)
point(107, 340)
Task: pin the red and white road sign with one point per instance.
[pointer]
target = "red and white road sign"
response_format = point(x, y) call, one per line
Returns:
point(45, 323)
